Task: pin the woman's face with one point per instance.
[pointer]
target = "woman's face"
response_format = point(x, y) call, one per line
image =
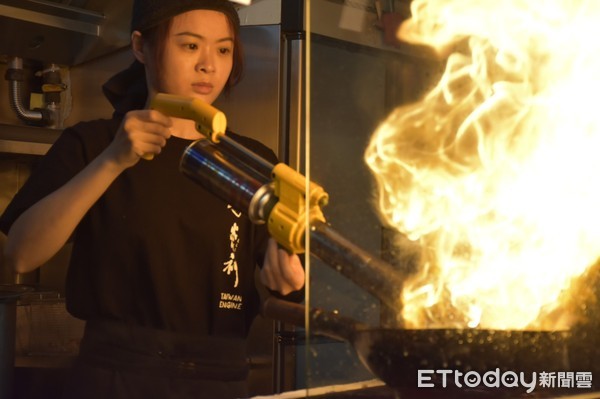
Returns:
point(198, 55)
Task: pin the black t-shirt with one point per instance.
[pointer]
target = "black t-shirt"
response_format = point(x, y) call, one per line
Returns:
point(156, 249)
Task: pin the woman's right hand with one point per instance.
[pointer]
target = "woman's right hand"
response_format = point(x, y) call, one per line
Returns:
point(143, 133)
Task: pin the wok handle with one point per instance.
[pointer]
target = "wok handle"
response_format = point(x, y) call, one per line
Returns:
point(320, 321)
point(285, 311)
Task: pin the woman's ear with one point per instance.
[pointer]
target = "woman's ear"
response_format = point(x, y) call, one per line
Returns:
point(137, 46)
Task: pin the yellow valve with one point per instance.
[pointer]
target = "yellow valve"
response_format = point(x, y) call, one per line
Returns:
point(53, 87)
point(287, 220)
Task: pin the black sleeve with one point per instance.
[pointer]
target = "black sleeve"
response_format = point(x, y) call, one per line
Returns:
point(295, 296)
point(58, 166)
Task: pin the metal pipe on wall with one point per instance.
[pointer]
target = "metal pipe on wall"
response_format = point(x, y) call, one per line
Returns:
point(48, 116)
point(15, 76)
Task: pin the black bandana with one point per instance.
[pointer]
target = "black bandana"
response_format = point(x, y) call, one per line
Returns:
point(148, 13)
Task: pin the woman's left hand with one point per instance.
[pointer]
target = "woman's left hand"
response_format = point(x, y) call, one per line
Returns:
point(281, 271)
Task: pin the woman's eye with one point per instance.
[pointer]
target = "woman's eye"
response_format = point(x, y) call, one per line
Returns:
point(225, 50)
point(191, 46)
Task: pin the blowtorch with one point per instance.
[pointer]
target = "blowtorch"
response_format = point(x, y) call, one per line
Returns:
point(276, 195)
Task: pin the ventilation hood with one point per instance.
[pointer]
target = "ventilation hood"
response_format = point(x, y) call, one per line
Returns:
point(67, 32)
point(70, 32)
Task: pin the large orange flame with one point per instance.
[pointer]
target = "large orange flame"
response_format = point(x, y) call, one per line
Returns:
point(495, 172)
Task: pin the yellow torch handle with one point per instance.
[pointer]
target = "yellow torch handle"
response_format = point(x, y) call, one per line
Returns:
point(209, 120)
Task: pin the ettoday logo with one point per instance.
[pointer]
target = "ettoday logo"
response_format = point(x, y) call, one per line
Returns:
point(507, 379)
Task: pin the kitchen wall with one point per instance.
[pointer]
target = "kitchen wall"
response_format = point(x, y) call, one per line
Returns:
point(82, 100)
point(42, 321)
point(87, 99)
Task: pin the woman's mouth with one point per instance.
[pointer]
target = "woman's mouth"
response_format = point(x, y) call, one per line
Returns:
point(202, 88)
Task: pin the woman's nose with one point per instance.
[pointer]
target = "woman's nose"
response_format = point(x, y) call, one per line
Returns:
point(206, 62)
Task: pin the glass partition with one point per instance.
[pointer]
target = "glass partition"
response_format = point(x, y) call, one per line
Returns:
point(354, 80)
point(460, 240)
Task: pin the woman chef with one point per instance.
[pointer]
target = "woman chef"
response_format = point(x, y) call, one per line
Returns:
point(161, 270)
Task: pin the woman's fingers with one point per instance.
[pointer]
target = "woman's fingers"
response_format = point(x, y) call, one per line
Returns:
point(267, 273)
point(282, 271)
point(143, 133)
point(291, 269)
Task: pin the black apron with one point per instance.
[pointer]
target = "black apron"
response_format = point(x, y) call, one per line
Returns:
point(130, 362)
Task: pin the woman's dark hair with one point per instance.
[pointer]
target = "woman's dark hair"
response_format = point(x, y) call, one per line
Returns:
point(156, 37)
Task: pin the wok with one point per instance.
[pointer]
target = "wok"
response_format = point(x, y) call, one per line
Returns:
point(396, 355)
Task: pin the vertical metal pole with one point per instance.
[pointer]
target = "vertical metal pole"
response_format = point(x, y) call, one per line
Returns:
point(291, 132)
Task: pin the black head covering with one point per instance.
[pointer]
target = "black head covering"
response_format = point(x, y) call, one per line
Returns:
point(148, 13)
point(127, 89)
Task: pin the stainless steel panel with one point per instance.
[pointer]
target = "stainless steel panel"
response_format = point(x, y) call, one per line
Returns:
point(50, 20)
point(291, 147)
point(252, 107)
point(52, 32)
point(261, 12)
